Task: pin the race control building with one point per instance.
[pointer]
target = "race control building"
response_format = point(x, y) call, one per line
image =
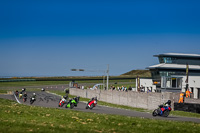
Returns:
point(171, 76)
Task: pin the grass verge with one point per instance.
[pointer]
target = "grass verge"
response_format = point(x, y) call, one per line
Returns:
point(22, 118)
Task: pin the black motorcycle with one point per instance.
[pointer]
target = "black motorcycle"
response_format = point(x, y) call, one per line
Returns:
point(32, 99)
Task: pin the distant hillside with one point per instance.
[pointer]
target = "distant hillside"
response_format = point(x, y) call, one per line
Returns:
point(135, 73)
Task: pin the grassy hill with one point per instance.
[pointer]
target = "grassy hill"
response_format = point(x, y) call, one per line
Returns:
point(17, 118)
point(135, 73)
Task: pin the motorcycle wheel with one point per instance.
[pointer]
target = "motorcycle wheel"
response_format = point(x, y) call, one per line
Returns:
point(155, 112)
point(71, 106)
point(86, 106)
point(61, 104)
point(92, 106)
point(166, 113)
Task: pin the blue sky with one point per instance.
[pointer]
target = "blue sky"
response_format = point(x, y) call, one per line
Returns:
point(48, 38)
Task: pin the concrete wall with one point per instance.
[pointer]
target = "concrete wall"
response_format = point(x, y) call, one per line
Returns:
point(144, 100)
point(131, 98)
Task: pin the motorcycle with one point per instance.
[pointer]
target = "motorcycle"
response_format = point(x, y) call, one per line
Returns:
point(16, 93)
point(24, 99)
point(71, 104)
point(165, 111)
point(91, 104)
point(32, 99)
point(61, 103)
point(20, 95)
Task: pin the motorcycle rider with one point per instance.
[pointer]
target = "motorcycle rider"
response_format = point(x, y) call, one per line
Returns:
point(66, 96)
point(23, 90)
point(25, 96)
point(16, 92)
point(161, 107)
point(64, 99)
point(20, 95)
point(34, 96)
point(76, 99)
point(93, 98)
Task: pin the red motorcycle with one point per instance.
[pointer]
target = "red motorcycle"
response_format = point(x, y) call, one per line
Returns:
point(61, 103)
point(91, 104)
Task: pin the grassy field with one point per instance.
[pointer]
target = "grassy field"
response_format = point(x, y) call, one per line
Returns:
point(22, 118)
point(127, 82)
point(31, 83)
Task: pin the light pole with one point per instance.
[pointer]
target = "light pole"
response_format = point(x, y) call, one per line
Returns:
point(103, 76)
point(107, 77)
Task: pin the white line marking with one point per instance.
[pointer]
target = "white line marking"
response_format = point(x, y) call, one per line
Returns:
point(16, 98)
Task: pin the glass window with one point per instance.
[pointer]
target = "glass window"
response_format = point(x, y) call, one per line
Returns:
point(171, 82)
point(179, 82)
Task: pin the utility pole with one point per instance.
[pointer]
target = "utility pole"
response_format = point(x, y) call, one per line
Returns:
point(107, 77)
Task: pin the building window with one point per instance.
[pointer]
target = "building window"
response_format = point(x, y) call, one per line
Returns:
point(167, 60)
point(171, 82)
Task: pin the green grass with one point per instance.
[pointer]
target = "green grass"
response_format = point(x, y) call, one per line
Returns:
point(40, 83)
point(31, 83)
point(22, 118)
point(185, 114)
point(3, 91)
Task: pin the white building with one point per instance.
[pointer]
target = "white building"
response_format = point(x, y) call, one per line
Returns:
point(170, 75)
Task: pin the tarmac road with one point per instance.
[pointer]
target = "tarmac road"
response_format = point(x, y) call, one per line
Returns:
point(45, 99)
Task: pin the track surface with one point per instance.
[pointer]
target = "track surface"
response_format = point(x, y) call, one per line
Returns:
point(45, 99)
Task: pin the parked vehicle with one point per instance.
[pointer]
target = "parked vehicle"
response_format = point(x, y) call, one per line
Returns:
point(91, 104)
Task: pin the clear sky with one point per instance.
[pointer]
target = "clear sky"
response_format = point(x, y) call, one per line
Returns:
point(48, 38)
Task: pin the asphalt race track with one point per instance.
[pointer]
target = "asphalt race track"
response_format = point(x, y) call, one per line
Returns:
point(45, 99)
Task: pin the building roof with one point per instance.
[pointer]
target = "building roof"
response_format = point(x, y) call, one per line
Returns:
point(174, 66)
point(178, 55)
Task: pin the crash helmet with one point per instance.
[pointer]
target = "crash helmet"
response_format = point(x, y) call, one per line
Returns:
point(169, 102)
point(34, 94)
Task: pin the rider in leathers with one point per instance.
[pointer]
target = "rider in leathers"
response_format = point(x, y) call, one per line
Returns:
point(168, 103)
